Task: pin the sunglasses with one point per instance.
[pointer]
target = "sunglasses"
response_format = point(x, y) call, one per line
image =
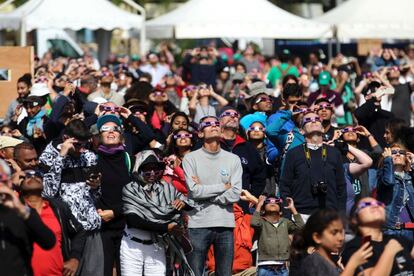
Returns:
point(348, 129)
point(41, 80)
point(158, 93)
point(140, 113)
point(230, 113)
point(256, 128)
point(109, 108)
point(400, 152)
point(111, 128)
point(303, 110)
point(324, 106)
point(30, 104)
point(364, 205)
point(273, 200)
point(203, 125)
point(202, 87)
point(263, 99)
point(33, 173)
point(152, 173)
point(190, 88)
point(310, 120)
point(184, 135)
point(81, 144)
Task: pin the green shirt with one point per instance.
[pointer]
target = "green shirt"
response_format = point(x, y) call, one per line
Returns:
point(275, 75)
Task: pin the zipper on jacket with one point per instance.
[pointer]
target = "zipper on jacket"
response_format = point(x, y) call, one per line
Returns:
point(3, 242)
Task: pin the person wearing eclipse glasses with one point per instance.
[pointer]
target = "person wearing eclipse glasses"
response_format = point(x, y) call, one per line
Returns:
point(312, 173)
point(153, 215)
point(273, 234)
point(395, 189)
point(181, 144)
point(391, 254)
point(67, 163)
point(254, 171)
point(56, 215)
point(214, 182)
point(113, 173)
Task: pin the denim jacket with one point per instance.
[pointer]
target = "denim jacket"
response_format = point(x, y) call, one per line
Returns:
point(391, 192)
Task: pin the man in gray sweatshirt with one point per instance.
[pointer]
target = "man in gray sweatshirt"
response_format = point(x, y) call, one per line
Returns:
point(214, 181)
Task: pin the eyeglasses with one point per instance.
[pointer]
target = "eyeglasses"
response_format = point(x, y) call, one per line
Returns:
point(183, 135)
point(400, 152)
point(273, 200)
point(156, 173)
point(263, 99)
point(309, 120)
point(203, 125)
point(109, 108)
point(232, 114)
point(348, 129)
point(33, 173)
point(256, 128)
point(324, 106)
point(363, 205)
point(111, 128)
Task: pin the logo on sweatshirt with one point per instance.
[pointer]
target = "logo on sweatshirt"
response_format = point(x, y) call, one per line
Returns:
point(244, 160)
point(224, 172)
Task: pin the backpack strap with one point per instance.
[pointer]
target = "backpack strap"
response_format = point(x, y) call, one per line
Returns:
point(284, 72)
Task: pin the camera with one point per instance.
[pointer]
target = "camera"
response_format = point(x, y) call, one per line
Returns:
point(319, 188)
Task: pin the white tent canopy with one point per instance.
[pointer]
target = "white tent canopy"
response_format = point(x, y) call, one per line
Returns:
point(234, 19)
point(73, 14)
point(372, 19)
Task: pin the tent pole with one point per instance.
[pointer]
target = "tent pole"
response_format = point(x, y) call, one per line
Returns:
point(330, 54)
point(23, 32)
point(142, 33)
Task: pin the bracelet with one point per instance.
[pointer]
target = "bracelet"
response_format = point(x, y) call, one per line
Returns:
point(369, 135)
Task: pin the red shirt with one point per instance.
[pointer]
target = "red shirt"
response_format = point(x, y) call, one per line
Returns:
point(48, 262)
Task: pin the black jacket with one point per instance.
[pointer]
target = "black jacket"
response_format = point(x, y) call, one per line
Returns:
point(73, 234)
point(205, 73)
point(16, 241)
point(297, 177)
point(373, 118)
point(115, 175)
point(254, 171)
point(136, 142)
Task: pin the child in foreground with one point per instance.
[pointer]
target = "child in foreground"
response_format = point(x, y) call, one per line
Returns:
point(273, 231)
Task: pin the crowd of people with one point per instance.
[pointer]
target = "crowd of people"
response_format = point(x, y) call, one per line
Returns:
point(226, 162)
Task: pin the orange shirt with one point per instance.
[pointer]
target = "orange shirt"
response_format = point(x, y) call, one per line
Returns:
point(48, 262)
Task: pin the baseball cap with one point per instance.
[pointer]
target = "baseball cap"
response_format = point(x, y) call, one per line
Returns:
point(39, 90)
point(324, 78)
point(6, 142)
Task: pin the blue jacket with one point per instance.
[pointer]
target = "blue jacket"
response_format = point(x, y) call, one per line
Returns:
point(391, 192)
point(278, 127)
